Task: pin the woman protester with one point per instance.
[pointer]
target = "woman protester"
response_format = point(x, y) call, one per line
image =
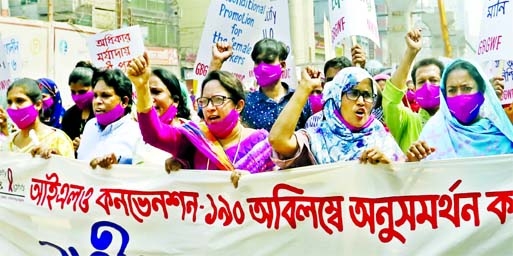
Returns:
point(52, 111)
point(218, 143)
point(349, 130)
point(76, 117)
point(112, 136)
point(25, 101)
point(470, 122)
point(170, 102)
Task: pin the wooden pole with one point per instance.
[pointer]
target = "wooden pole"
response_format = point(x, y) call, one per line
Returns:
point(50, 10)
point(119, 10)
point(445, 30)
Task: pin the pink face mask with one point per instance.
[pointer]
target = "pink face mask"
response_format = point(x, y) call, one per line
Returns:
point(111, 116)
point(224, 127)
point(83, 101)
point(23, 117)
point(316, 102)
point(410, 95)
point(47, 103)
point(428, 96)
point(465, 108)
point(168, 116)
point(267, 74)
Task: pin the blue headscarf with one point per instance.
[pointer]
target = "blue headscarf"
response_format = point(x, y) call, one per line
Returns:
point(332, 141)
point(492, 134)
point(52, 116)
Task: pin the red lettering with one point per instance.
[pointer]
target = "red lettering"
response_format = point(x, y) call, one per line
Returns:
point(139, 204)
point(489, 44)
point(507, 94)
point(201, 69)
point(337, 28)
point(225, 212)
point(4, 84)
point(502, 205)
point(270, 210)
point(51, 190)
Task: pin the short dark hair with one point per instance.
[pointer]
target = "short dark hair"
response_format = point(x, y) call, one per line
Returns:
point(229, 82)
point(337, 62)
point(268, 49)
point(423, 63)
point(31, 88)
point(116, 79)
point(173, 85)
point(472, 71)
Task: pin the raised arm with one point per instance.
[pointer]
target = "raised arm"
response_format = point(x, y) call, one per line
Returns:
point(139, 72)
point(281, 136)
point(414, 44)
point(221, 51)
point(358, 57)
point(154, 132)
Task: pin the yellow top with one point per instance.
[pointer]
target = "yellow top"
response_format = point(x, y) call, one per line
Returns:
point(56, 139)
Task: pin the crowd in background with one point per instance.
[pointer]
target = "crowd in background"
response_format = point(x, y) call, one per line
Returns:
point(423, 110)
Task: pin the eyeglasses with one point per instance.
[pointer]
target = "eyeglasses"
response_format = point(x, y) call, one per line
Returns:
point(355, 94)
point(217, 100)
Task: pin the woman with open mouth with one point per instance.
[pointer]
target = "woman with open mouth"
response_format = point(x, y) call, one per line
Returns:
point(170, 102)
point(348, 132)
point(220, 142)
point(113, 135)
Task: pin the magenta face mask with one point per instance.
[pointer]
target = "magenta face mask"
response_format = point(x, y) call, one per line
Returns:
point(47, 103)
point(111, 116)
point(23, 117)
point(224, 127)
point(169, 115)
point(316, 102)
point(410, 95)
point(83, 101)
point(465, 108)
point(267, 74)
point(428, 96)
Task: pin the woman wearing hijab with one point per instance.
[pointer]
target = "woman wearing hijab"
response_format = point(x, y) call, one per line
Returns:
point(470, 122)
point(52, 111)
point(349, 131)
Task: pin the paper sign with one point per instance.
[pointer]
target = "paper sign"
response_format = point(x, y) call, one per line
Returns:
point(503, 68)
point(495, 38)
point(243, 23)
point(116, 48)
point(353, 18)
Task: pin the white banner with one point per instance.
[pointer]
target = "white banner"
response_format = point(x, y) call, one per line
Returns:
point(495, 39)
point(243, 23)
point(63, 207)
point(353, 18)
point(116, 48)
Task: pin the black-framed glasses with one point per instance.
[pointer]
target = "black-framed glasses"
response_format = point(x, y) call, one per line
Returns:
point(217, 100)
point(355, 94)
